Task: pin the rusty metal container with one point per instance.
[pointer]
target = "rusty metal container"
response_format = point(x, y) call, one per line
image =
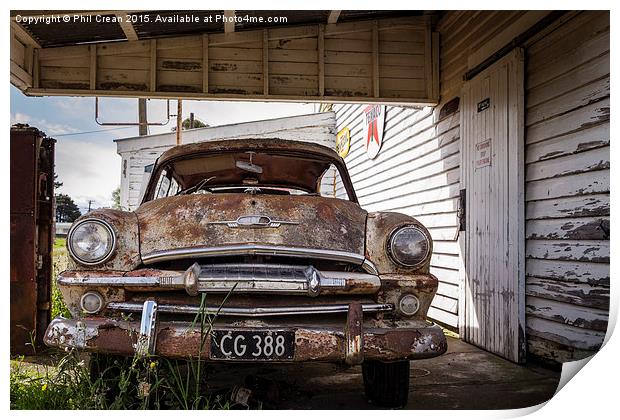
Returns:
point(32, 198)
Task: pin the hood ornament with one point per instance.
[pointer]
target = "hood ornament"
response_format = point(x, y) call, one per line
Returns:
point(253, 222)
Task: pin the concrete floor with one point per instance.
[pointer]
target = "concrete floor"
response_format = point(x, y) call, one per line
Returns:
point(463, 378)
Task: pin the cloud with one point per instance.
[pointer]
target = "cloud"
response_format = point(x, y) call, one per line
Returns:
point(49, 128)
point(88, 171)
point(87, 164)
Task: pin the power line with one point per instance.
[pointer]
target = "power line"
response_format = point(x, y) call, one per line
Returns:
point(89, 132)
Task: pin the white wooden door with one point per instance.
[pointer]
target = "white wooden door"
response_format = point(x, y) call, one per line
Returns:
point(492, 300)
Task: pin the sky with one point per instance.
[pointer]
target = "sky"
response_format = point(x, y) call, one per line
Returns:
point(86, 160)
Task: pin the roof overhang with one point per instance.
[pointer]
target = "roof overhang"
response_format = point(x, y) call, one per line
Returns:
point(314, 56)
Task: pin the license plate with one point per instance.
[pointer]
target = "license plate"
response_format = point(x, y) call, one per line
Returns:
point(252, 345)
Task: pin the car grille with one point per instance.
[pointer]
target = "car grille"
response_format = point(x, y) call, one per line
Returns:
point(259, 311)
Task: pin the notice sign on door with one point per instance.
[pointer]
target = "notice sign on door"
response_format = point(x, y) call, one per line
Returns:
point(483, 154)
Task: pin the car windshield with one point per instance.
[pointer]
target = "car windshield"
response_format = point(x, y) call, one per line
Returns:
point(248, 172)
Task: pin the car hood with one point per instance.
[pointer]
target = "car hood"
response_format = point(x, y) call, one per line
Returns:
point(210, 220)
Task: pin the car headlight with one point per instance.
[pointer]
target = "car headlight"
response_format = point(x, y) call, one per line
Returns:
point(409, 246)
point(91, 241)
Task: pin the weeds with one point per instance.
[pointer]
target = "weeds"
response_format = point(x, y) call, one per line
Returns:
point(59, 265)
point(112, 382)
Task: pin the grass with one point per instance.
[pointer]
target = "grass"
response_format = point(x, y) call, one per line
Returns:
point(72, 381)
point(59, 245)
point(121, 384)
point(60, 261)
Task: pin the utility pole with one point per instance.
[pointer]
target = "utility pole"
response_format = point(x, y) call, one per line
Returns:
point(179, 120)
point(90, 202)
point(191, 120)
point(143, 128)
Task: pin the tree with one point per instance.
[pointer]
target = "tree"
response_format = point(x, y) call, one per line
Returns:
point(116, 198)
point(186, 124)
point(57, 184)
point(66, 209)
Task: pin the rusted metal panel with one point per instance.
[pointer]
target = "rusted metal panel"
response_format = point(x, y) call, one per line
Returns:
point(273, 144)
point(126, 255)
point(23, 283)
point(354, 335)
point(423, 286)
point(189, 221)
point(379, 227)
point(32, 163)
point(182, 340)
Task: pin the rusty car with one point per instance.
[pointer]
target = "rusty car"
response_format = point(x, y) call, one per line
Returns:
point(267, 237)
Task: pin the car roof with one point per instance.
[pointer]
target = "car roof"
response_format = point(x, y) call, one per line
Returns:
point(279, 146)
point(252, 144)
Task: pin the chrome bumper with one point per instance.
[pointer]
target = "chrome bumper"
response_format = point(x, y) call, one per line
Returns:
point(244, 278)
point(351, 343)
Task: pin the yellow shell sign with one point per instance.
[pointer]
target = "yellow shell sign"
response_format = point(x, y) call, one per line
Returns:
point(343, 142)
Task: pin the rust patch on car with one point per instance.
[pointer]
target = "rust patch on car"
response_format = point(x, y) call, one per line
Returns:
point(126, 255)
point(318, 345)
point(378, 229)
point(193, 221)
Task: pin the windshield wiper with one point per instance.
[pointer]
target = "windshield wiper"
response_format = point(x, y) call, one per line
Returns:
point(195, 187)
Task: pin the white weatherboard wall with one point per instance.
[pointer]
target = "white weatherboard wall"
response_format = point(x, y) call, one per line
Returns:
point(566, 170)
point(567, 187)
point(138, 152)
point(416, 173)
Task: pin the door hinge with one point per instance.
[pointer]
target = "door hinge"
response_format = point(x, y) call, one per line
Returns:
point(462, 209)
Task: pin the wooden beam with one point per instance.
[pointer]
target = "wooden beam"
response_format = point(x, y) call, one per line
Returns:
point(435, 73)
point(28, 59)
point(24, 36)
point(265, 61)
point(35, 68)
point(428, 62)
point(333, 16)
point(24, 78)
point(205, 63)
point(153, 66)
point(375, 59)
point(127, 27)
point(229, 25)
point(400, 101)
point(93, 66)
point(321, 52)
